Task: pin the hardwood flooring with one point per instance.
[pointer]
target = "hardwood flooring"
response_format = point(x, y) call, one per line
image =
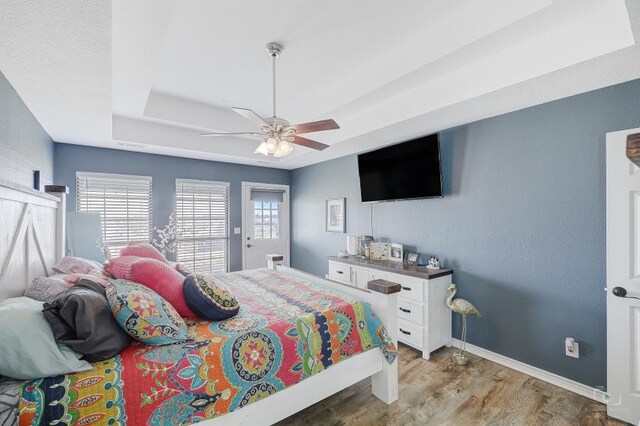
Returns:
point(439, 392)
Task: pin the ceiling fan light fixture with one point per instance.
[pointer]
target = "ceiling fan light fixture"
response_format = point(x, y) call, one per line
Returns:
point(262, 149)
point(277, 133)
point(272, 144)
point(284, 148)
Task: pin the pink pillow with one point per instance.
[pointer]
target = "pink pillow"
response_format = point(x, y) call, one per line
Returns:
point(158, 276)
point(120, 267)
point(143, 250)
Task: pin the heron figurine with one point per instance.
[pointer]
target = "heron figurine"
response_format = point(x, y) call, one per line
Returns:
point(464, 308)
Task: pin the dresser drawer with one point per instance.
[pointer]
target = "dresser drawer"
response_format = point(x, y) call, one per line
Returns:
point(410, 333)
point(411, 310)
point(412, 288)
point(340, 272)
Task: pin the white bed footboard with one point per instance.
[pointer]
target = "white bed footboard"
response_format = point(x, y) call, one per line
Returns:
point(383, 298)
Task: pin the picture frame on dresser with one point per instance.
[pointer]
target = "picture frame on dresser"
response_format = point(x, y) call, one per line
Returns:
point(335, 212)
point(411, 258)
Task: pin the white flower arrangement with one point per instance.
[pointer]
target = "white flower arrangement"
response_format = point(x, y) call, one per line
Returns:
point(168, 237)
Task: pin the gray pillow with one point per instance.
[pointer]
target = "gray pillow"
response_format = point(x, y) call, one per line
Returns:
point(81, 318)
point(28, 349)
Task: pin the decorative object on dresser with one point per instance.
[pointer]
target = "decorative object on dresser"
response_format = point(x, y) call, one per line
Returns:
point(364, 246)
point(335, 215)
point(464, 308)
point(395, 252)
point(411, 258)
point(424, 321)
point(379, 251)
point(434, 263)
point(353, 245)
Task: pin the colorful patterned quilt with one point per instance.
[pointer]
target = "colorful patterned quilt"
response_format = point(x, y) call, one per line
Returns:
point(287, 329)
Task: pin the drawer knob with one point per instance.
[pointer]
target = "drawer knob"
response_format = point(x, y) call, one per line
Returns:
point(406, 288)
point(408, 333)
point(340, 272)
point(408, 311)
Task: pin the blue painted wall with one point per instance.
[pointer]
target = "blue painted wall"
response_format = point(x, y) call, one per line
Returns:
point(24, 145)
point(164, 170)
point(522, 224)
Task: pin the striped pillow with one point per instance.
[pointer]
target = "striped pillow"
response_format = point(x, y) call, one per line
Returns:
point(143, 250)
point(156, 275)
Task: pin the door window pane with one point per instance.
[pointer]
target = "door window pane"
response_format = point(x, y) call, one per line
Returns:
point(266, 220)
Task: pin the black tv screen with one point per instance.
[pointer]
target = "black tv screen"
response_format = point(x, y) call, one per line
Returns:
point(407, 170)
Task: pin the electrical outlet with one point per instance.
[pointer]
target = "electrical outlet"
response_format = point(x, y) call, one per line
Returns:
point(237, 230)
point(571, 348)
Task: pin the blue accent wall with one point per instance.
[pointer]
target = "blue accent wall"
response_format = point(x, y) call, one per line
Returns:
point(522, 224)
point(24, 145)
point(164, 171)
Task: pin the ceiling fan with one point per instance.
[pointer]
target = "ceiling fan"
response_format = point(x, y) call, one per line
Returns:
point(277, 133)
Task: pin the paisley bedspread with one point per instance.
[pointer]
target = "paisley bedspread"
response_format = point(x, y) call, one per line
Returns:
point(287, 330)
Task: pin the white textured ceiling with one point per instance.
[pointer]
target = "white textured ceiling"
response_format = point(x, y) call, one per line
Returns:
point(150, 75)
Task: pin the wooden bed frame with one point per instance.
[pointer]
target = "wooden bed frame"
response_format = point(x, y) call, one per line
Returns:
point(32, 239)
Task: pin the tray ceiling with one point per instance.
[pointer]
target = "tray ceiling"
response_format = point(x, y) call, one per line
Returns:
point(151, 75)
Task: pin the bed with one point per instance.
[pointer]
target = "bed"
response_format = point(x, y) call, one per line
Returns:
point(297, 339)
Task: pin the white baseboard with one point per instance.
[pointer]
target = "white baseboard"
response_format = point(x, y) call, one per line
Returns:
point(595, 394)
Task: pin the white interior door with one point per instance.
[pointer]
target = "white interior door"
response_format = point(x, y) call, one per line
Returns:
point(623, 275)
point(265, 230)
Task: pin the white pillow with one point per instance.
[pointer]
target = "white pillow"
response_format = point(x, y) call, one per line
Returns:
point(28, 349)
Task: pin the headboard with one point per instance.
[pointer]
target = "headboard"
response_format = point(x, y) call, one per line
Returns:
point(32, 234)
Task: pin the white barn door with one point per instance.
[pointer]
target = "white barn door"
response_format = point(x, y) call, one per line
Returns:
point(623, 281)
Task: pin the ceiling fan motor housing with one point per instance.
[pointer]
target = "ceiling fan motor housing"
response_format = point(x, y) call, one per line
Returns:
point(274, 49)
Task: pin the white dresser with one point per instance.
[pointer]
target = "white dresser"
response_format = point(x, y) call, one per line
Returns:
point(424, 321)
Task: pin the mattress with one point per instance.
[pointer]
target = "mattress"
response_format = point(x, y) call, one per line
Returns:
point(287, 330)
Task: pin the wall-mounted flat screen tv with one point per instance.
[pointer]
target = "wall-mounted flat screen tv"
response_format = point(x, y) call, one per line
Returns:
point(399, 172)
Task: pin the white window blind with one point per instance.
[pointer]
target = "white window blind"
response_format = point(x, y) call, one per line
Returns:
point(202, 215)
point(124, 204)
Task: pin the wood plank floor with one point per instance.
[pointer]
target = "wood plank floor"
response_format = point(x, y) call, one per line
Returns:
point(439, 392)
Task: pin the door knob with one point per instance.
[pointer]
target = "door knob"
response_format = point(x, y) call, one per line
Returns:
point(622, 292)
point(619, 292)
point(249, 246)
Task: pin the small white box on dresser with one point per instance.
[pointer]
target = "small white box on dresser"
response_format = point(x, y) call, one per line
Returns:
point(424, 321)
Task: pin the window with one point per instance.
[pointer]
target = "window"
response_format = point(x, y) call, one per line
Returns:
point(124, 204)
point(202, 215)
point(266, 221)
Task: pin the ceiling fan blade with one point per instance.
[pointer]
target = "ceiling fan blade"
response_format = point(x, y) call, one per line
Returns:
point(231, 134)
point(315, 126)
point(299, 140)
point(251, 116)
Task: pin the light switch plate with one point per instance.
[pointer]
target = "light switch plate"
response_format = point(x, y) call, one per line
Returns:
point(237, 230)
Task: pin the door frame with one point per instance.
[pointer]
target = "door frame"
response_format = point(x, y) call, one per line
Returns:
point(246, 187)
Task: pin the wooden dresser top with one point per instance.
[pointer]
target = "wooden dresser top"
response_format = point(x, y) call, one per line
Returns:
point(395, 267)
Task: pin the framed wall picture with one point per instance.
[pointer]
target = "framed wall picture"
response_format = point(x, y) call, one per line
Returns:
point(335, 215)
